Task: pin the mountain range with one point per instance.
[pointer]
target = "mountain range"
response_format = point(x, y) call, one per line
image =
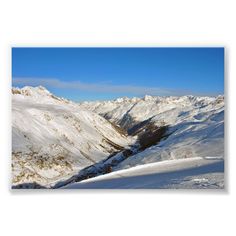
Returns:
point(59, 143)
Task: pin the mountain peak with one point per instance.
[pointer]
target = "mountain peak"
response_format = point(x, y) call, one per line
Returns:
point(30, 91)
point(147, 97)
point(38, 94)
point(40, 87)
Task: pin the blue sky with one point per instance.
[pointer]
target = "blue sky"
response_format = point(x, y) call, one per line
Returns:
point(108, 73)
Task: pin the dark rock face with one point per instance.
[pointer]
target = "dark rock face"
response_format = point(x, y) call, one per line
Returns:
point(152, 136)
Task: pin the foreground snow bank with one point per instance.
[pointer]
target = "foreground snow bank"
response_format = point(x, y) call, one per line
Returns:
point(190, 173)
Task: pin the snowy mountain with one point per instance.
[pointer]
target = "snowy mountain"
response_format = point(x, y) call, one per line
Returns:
point(53, 138)
point(195, 125)
point(57, 142)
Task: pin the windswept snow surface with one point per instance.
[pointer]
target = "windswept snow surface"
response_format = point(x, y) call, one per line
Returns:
point(191, 173)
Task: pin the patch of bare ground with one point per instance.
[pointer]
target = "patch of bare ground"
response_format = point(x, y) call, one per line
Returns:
point(153, 135)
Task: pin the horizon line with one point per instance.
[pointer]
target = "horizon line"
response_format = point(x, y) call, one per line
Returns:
point(105, 87)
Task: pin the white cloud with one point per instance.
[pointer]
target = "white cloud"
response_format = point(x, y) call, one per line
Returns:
point(99, 87)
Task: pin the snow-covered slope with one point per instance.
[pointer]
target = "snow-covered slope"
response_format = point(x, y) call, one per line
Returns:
point(52, 138)
point(188, 173)
point(195, 125)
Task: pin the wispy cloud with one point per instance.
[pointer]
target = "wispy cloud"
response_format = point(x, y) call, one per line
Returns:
point(99, 87)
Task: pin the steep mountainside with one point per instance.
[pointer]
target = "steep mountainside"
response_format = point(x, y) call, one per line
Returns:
point(53, 138)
